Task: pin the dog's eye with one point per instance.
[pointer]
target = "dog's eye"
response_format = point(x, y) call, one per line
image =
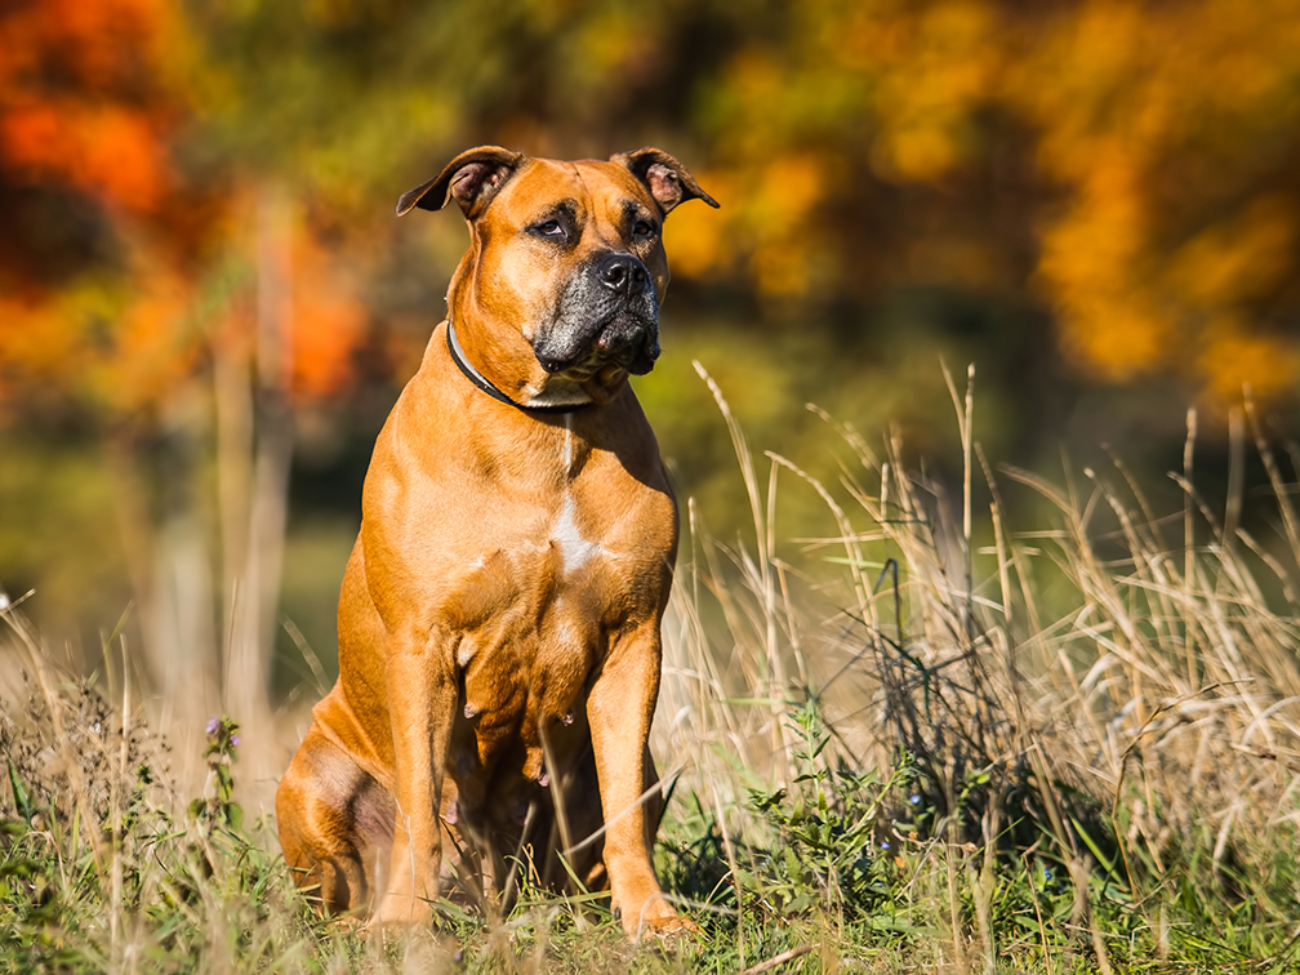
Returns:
point(551, 228)
point(643, 230)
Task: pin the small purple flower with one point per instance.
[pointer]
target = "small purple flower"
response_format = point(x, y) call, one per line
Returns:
point(914, 800)
point(213, 725)
point(884, 845)
point(234, 741)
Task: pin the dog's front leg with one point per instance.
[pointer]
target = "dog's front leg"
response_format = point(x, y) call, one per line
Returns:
point(619, 710)
point(422, 702)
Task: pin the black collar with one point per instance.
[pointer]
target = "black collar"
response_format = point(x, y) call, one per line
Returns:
point(483, 383)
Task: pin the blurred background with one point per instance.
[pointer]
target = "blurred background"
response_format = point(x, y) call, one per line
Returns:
point(207, 307)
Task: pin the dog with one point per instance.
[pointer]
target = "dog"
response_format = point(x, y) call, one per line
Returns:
point(499, 619)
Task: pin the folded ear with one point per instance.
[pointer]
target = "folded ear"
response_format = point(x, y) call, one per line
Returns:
point(473, 178)
point(669, 182)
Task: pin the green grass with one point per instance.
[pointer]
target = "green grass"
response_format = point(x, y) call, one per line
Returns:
point(852, 874)
point(1073, 748)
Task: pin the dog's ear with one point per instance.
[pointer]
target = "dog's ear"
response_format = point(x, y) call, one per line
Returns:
point(472, 178)
point(668, 181)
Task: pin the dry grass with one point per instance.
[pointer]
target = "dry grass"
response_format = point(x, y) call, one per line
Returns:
point(929, 739)
point(1125, 705)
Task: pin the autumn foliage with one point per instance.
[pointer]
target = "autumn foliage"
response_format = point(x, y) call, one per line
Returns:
point(112, 286)
point(1128, 167)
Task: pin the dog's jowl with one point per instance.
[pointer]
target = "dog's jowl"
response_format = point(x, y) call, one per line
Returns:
point(499, 647)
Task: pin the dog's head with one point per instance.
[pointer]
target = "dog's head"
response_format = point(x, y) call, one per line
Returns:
point(561, 286)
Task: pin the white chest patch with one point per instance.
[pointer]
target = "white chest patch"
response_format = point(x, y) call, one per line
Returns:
point(575, 551)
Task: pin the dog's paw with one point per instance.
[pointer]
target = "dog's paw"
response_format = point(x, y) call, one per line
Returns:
point(669, 928)
point(656, 919)
point(400, 911)
point(351, 922)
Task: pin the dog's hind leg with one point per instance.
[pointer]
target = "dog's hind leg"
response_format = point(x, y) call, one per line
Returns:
point(336, 824)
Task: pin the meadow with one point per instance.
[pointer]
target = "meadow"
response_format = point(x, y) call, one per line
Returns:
point(935, 699)
point(931, 740)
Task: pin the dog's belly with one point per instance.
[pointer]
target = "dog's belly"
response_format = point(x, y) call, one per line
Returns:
point(530, 625)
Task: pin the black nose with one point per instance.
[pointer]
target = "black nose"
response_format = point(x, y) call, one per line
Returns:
point(624, 274)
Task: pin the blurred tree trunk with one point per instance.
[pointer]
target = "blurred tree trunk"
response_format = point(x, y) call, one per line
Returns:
point(253, 556)
point(168, 557)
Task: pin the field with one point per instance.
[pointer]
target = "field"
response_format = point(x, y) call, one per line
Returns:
point(930, 741)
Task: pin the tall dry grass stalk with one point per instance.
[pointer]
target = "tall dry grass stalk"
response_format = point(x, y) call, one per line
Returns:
point(1090, 696)
point(1157, 680)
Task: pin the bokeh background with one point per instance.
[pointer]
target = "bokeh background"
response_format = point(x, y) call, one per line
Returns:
point(207, 306)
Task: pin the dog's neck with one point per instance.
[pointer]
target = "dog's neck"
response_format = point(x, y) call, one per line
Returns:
point(548, 402)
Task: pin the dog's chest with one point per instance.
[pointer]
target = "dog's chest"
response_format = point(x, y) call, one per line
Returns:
point(574, 549)
point(532, 616)
point(579, 530)
point(566, 566)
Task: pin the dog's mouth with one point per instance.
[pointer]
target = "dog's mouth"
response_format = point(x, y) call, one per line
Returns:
point(625, 342)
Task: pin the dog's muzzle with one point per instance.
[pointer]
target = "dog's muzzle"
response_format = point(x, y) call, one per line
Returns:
point(608, 315)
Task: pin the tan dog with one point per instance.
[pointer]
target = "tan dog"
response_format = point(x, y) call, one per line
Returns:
point(499, 647)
